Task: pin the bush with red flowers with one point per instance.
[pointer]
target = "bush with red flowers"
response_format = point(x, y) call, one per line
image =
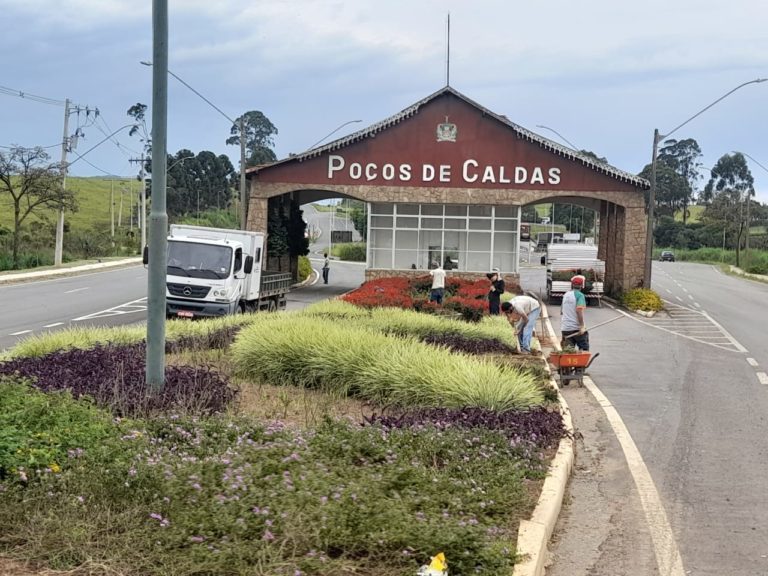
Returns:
point(466, 297)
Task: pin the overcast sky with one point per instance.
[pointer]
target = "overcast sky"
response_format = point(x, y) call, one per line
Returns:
point(602, 73)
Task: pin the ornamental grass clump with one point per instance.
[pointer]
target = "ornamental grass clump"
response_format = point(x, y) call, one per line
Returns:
point(191, 334)
point(339, 357)
point(114, 376)
point(410, 323)
point(642, 299)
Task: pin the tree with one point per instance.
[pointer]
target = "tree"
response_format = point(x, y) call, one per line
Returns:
point(682, 156)
point(258, 138)
point(672, 190)
point(198, 182)
point(594, 156)
point(730, 185)
point(33, 183)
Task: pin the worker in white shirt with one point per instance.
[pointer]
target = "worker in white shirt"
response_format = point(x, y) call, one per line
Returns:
point(438, 284)
point(522, 312)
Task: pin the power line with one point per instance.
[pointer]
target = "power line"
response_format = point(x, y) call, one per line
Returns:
point(57, 145)
point(27, 96)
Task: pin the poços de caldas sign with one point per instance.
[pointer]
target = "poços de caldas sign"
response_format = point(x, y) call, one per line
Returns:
point(469, 172)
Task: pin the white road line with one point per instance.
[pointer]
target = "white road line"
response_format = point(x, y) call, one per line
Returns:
point(684, 290)
point(678, 297)
point(20, 332)
point(763, 378)
point(668, 290)
point(77, 290)
point(731, 338)
point(54, 324)
point(115, 311)
point(690, 296)
point(668, 557)
point(697, 305)
point(752, 362)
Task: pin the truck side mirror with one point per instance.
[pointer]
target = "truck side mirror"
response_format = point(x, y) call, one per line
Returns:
point(248, 268)
point(145, 255)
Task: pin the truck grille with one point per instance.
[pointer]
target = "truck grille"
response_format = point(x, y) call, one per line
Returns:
point(186, 291)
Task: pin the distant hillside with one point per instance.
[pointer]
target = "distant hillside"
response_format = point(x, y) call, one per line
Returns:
point(93, 194)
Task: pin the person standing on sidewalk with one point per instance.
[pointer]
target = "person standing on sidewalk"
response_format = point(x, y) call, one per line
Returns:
point(572, 326)
point(326, 267)
point(522, 312)
point(438, 285)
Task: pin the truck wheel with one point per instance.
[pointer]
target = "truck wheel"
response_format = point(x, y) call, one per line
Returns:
point(240, 309)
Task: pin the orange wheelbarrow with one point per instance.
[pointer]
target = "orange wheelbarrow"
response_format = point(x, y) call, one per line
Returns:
point(572, 365)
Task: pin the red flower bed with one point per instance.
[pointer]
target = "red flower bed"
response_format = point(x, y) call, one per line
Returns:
point(467, 297)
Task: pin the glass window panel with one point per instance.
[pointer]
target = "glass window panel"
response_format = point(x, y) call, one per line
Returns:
point(455, 210)
point(455, 224)
point(381, 239)
point(406, 259)
point(480, 211)
point(407, 222)
point(507, 211)
point(409, 209)
point(504, 262)
point(477, 262)
point(431, 209)
point(430, 238)
point(475, 224)
point(508, 225)
point(381, 221)
point(406, 239)
point(504, 242)
point(479, 241)
point(381, 259)
point(432, 223)
point(380, 208)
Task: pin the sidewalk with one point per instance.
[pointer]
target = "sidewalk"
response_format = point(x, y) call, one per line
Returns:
point(31, 275)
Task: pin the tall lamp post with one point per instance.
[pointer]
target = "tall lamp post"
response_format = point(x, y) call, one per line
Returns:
point(563, 138)
point(657, 137)
point(241, 126)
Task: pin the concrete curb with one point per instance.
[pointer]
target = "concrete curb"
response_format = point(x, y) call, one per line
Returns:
point(59, 272)
point(534, 534)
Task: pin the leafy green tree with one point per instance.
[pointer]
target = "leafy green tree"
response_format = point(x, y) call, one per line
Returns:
point(33, 184)
point(682, 156)
point(258, 138)
point(296, 228)
point(594, 156)
point(277, 239)
point(730, 186)
point(672, 190)
point(575, 218)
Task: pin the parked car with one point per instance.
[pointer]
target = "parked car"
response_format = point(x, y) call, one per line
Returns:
point(667, 256)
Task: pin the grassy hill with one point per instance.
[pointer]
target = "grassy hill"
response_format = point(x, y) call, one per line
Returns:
point(93, 196)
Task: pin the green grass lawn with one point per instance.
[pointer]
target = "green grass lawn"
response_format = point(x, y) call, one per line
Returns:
point(93, 196)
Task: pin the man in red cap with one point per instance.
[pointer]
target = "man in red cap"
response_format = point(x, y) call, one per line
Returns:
point(572, 326)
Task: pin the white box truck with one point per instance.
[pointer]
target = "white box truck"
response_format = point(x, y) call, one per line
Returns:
point(567, 260)
point(217, 271)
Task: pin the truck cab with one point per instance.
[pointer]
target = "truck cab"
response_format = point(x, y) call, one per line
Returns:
point(205, 277)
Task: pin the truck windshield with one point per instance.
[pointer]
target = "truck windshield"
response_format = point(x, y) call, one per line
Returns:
point(198, 260)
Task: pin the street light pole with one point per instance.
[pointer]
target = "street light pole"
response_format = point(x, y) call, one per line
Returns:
point(563, 138)
point(332, 132)
point(652, 194)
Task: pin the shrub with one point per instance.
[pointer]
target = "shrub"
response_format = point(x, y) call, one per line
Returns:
point(312, 353)
point(305, 268)
point(411, 323)
point(642, 299)
point(352, 251)
point(114, 376)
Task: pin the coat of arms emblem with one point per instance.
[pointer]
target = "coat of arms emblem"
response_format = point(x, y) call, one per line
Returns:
point(446, 131)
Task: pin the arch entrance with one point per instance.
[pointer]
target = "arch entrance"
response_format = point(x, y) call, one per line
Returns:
point(447, 176)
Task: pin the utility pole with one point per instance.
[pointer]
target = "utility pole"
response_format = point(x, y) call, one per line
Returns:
point(141, 220)
point(112, 208)
point(58, 250)
point(243, 194)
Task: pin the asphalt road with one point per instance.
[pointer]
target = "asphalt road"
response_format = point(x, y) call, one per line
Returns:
point(118, 297)
point(690, 387)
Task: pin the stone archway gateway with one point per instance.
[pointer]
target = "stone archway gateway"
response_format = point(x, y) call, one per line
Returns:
point(447, 178)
